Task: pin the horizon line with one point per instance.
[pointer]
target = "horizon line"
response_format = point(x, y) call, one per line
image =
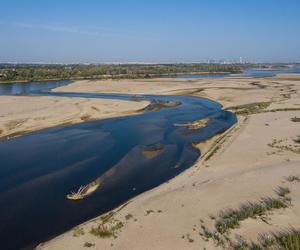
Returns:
point(213, 61)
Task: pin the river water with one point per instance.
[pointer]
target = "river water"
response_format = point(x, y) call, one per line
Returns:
point(38, 170)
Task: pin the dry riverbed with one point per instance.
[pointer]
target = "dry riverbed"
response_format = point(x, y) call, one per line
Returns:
point(256, 161)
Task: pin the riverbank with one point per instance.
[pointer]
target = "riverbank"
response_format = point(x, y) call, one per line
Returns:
point(24, 114)
point(121, 76)
point(251, 161)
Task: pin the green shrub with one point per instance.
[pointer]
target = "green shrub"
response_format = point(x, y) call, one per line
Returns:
point(88, 244)
point(128, 216)
point(295, 119)
point(102, 231)
point(78, 232)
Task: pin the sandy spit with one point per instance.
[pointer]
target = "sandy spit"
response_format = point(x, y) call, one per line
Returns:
point(23, 114)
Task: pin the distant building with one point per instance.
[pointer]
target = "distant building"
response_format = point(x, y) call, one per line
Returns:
point(242, 61)
point(211, 61)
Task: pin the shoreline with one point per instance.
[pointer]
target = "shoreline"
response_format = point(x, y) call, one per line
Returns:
point(120, 77)
point(23, 115)
point(167, 103)
point(212, 142)
point(205, 147)
point(243, 159)
point(175, 212)
point(62, 125)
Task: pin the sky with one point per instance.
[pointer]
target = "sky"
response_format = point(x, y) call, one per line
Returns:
point(97, 31)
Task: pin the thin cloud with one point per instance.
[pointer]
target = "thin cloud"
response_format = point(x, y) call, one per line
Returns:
point(74, 30)
point(66, 29)
point(63, 29)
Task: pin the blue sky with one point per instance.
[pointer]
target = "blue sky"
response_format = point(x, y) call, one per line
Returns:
point(70, 31)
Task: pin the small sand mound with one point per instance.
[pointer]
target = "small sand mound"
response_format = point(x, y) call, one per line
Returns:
point(153, 151)
point(194, 125)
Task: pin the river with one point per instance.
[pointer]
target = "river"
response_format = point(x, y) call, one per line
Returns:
point(38, 170)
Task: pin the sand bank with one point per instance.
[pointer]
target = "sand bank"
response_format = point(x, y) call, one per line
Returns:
point(248, 162)
point(23, 114)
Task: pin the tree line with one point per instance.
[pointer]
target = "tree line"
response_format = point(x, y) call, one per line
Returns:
point(31, 72)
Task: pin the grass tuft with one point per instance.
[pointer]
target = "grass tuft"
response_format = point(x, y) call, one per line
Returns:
point(295, 119)
point(282, 191)
point(78, 232)
point(88, 244)
point(231, 218)
point(85, 117)
point(102, 231)
point(297, 140)
point(293, 178)
point(149, 211)
point(211, 153)
point(128, 216)
point(286, 240)
point(251, 108)
point(107, 217)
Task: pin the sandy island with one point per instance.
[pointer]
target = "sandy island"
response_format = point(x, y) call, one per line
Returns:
point(23, 114)
point(255, 161)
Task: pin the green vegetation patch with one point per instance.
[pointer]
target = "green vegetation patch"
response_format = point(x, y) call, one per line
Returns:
point(78, 232)
point(107, 217)
point(231, 218)
point(88, 244)
point(34, 72)
point(251, 108)
point(282, 191)
point(284, 144)
point(107, 231)
point(286, 240)
point(293, 178)
point(109, 226)
point(211, 153)
point(149, 211)
point(295, 119)
point(297, 140)
point(128, 216)
point(284, 109)
point(102, 231)
point(85, 117)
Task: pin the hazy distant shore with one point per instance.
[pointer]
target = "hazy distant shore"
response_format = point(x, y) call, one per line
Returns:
point(110, 77)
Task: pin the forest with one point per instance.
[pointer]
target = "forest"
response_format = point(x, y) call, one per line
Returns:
point(38, 72)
